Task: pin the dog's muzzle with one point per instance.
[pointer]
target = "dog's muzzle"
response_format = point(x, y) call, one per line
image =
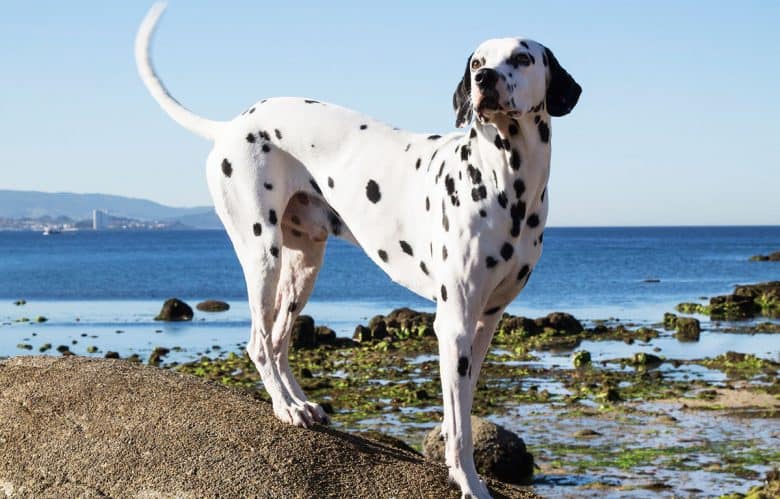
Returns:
point(486, 79)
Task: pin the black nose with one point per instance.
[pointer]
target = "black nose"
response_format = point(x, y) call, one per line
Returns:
point(486, 78)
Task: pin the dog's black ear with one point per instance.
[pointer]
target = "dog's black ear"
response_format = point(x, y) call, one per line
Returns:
point(461, 99)
point(562, 91)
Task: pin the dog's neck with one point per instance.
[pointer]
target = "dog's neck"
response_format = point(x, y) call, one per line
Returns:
point(515, 148)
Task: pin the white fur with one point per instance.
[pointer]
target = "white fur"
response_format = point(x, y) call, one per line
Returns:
point(322, 141)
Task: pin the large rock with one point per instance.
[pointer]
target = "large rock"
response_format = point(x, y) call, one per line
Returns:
point(174, 310)
point(687, 328)
point(498, 453)
point(772, 257)
point(78, 427)
point(303, 335)
point(562, 322)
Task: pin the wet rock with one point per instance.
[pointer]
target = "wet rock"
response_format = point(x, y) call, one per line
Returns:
point(362, 334)
point(174, 310)
point(732, 307)
point(687, 328)
point(610, 394)
point(670, 320)
point(772, 257)
point(378, 330)
point(518, 325)
point(19, 303)
point(24, 346)
point(581, 358)
point(403, 322)
point(112, 355)
point(586, 433)
point(325, 335)
point(157, 354)
point(646, 359)
point(92, 349)
point(212, 306)
point(651, 281)
point(561, 322)
point(63, 349)
point(45, 347)
point(303, 333)
point(498, 453)
point(41, 318)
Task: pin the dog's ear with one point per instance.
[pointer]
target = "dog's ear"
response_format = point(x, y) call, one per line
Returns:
point(461, 99)
point(562, 91)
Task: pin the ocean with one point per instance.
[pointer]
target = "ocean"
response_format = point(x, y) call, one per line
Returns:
point(95, 283)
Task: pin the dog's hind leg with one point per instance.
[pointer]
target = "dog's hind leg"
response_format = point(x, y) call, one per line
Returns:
point(301, 262)
point(455, 327)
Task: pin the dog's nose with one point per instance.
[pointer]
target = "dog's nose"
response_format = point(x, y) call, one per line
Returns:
point(486, 78)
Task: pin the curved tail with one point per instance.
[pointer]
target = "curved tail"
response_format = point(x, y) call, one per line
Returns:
point(180, 114)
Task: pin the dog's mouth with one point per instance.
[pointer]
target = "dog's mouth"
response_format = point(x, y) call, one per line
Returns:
point(488, 104)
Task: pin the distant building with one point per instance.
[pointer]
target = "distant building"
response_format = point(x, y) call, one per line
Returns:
point(99, 220)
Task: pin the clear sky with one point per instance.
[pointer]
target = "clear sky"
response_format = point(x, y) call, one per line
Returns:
point(678, 123)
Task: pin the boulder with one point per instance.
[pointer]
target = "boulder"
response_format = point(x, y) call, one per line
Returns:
point(325, 335)
point(174, 310)
point(772, 257)
point(303, 333)
point(518, 325)
point(561, 322)
point(212, 306)
point(732, 307)
point(498, 453)
point(157, 354)
point(116, 429)
point(581, 358)
point(687, 328)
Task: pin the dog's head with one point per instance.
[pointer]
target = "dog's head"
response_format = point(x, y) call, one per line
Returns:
point(512, 76)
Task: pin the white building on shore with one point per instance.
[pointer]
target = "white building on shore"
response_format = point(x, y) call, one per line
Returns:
point(100, 219)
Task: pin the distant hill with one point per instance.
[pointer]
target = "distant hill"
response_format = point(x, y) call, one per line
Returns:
point(34, 204)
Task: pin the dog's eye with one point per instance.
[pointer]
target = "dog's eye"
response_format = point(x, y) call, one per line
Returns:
point(475, 64)
point(520, 59)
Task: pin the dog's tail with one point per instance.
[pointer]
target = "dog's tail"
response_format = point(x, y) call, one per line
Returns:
point(180, 114)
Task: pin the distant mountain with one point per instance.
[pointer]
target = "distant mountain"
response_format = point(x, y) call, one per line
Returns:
point(34, 204)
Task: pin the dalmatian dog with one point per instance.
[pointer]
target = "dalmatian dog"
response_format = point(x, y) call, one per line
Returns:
point(456, 218)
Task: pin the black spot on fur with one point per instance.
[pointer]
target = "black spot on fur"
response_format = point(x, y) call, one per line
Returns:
point(227, 168)
point(449, 183)
point(383, 255)
point(335, 223)
point(519, 186)
point(330, 182)
point(443, 293)
point(274, 252)
point(444, 253)
point(537, 119)
point(465, 152)
point(272, 217)
point(257, 229)
point(441, 170)
point(417, 164)
point(482, 213)
point(541, 238)
point(543, 193)
point(490, 262)
point(523, 272)
point(266, 148)
point(473, 133)
point(268, 186)
point(479, 193)
point(423, 268)
point(406, 248)
point(315, 186)
point(407, 147)
point(309, 101)
point(492, 311)
point(445, 222)
point(250, 138)
point(251, 110)
point(502, 200)
point(427, 204)
point(533, 220)
point(463, 366)
point(523, 44)
point(278, 133)
point(513, 129)
point(514, 160)
point(474, 174)
point(498, 142)
point(264, 135)
point(372, 192)
point(507, 250)
point(434, 137)
point(517, 213)
point(363, 127)
point(291, 307)
point(544, 131)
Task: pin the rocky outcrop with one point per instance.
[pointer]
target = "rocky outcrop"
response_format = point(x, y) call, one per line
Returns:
point(174, 310)
point(772, 257)
point(498, 452)
point(117, 429)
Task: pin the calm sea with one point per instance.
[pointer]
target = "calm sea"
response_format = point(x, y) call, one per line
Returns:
point(581, 269)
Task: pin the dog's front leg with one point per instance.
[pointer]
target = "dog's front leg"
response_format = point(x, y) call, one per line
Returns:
point(455, 327)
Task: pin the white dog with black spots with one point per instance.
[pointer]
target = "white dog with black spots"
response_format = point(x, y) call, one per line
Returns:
point(457, 218)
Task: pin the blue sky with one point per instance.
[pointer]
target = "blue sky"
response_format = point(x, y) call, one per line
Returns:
point(677, 125)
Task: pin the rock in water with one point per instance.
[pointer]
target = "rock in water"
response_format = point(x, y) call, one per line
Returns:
point(212, 306)
point(174, 310)
point(303, 333)
point(117, 429)
point(498, 452)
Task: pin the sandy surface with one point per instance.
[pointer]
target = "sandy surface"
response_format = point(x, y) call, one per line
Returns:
point(80, 427)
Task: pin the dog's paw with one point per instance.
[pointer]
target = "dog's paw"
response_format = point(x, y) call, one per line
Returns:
point(471, 487)
point(317, 413)
point(296, 415)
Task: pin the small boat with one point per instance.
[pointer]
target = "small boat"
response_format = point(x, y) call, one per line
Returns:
point(49, 231)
